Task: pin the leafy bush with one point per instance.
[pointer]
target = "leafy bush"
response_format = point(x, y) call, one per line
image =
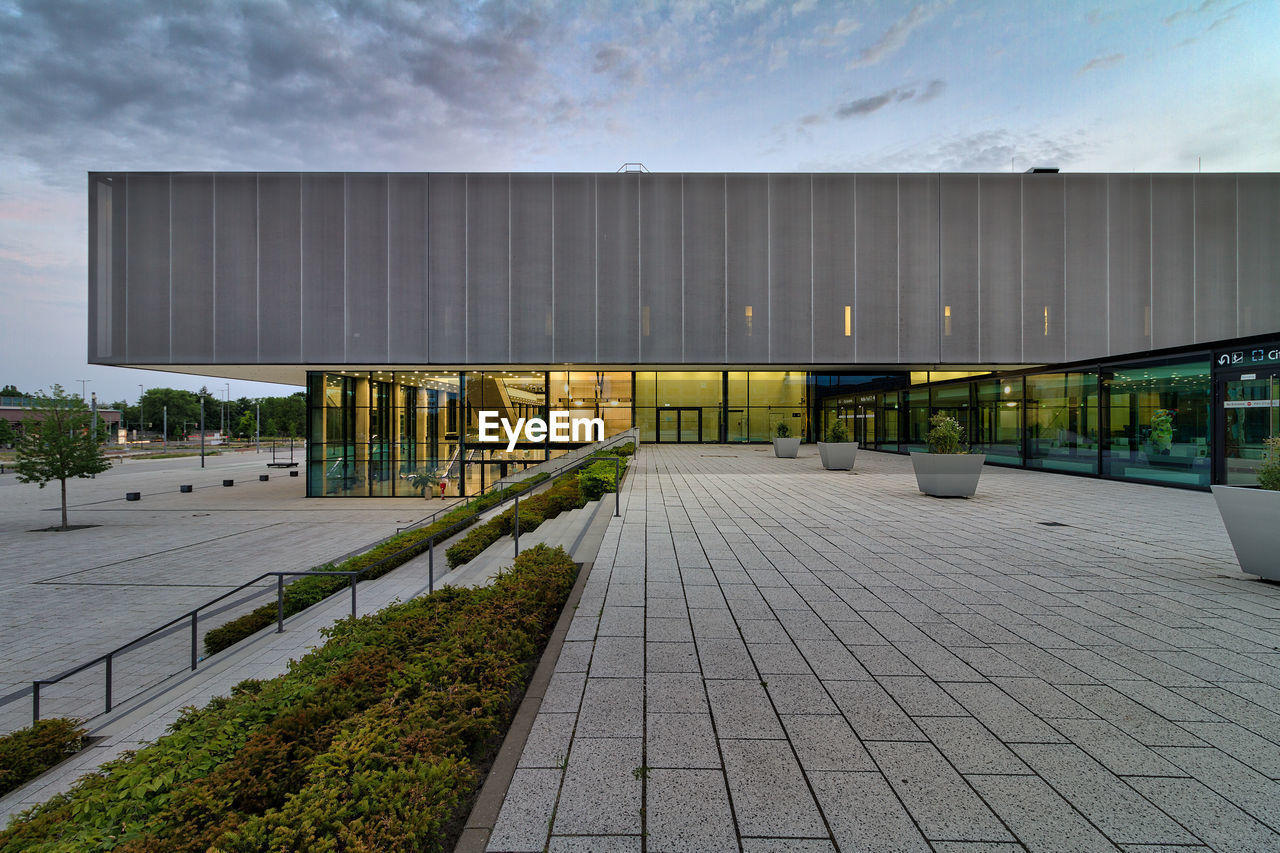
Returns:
point(596, 479)
point(838, 432)
point(27, 753)
point(783, 431)
point(946, 436)
point(375, 563)
point(1269, 470)
point(372, 741)
point(562, 495)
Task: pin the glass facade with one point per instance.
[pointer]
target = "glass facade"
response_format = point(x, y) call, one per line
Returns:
point(395, 433)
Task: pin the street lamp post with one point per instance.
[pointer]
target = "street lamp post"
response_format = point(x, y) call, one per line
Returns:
point(83, 383)
point(141, 393)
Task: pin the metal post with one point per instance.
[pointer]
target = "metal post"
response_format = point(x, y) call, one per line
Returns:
point(202, 432)
point(165, 439)
point(141, 393)
point(515, 528)
point(353, 596)
point(279, 604)
point(95, 426)
point(108, 683)
point(617, 486)
point(431, 564)
point(35, 702)
point(193, 639)
point(257, 427)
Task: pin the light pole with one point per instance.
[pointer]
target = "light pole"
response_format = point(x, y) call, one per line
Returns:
point(83, 382)
point(257, 427)
point(226, 420)
point(141, 393)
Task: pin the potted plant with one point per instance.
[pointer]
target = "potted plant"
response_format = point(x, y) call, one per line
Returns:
point(1250, 514)
point(784, 446)
point(838, 452)
point(948, 470)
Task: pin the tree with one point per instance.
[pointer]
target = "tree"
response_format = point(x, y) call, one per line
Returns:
point(11, 391)
point(57, 443)
point(7, 435)
point(246, 426)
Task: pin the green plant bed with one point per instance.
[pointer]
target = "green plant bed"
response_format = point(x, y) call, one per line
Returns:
point(27, 753)
point(374, 741)
point(378, 561)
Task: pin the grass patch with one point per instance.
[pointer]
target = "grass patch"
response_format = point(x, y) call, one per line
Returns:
point(27, 753)
point(373, 741)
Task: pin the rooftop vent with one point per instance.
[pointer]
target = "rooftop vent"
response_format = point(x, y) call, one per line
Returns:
point(632, 167)
point(1042, 170)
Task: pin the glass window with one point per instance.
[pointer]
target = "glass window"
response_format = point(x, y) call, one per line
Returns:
point(1062, 422)
point(1158, 423)
point(997, 430)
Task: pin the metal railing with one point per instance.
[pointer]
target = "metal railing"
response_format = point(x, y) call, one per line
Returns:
point(353, 577)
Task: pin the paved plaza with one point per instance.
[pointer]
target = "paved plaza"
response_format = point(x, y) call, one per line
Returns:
point(770, 657)
point(67, 597)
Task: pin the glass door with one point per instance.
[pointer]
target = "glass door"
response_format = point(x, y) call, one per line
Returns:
point(690, 426)
point(680, 425)
point(1250, 414)
point(668, 425)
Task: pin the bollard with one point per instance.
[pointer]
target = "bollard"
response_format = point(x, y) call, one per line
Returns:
point(262, 478)
point(185, 489)
point(293, 473)
point(228, 483)
point(133, 496)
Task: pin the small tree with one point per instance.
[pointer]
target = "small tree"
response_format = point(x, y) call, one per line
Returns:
point(247, 425)
point(947, 436)
point(58, 443)
point(7, 435)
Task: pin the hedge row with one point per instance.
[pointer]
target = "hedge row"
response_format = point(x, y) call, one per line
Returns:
point(391, 554)
point(569, 492)
point(27, 753)
point(376, 740)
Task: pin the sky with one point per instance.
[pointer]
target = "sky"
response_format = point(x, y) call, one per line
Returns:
point(702, 85)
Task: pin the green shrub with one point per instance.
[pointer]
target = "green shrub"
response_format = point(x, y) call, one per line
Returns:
point(838, 432)
point(370, 742)
point(562, 495)
point(1269, 470)
point(946, 435)
point(596, 479)
point(27, 753)
point(782, 430)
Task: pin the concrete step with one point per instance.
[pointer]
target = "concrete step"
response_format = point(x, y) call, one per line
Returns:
point(566, 529)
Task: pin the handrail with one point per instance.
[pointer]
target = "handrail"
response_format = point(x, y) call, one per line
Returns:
point(353, 576)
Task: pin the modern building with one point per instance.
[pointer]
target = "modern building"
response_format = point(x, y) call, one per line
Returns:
point(1124, 326)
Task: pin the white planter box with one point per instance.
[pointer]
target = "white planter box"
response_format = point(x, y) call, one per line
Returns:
point(948, 475)
point(838, 455)
point(786, 448)
point(1250, 516)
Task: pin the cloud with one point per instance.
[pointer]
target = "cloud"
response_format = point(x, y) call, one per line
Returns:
point(1099, 62)
point(898, 94)
point(897, 34)
point(1205, 6)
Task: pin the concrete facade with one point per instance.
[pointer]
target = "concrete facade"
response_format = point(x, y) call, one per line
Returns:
point(263, 273)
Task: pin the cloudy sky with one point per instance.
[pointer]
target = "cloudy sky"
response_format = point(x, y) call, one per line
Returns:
point(685, 85)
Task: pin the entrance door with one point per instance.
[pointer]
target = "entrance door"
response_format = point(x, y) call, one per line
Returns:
point(1249, 415)
point(680, 425)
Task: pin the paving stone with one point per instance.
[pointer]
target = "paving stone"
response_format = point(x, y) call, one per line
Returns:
point(525, 817)
point(864, 813)
point(548, 741)
point(741, 710)
point(618, 657)
point(681, 740)
point(1115, 750)
point(942, 803)
point(725, 658)
point(884, 660)
point(676, 693)
point(826, 742)
point(668, 630)
point(830, 659)
point(1259, 753)
point(1241, 785)
point(920, 696)
point(671, 657)
point(575, 656)
point(872, 712)
point(595, 844)
point(1108, 803)
point(1211, 818)
point(612, 708)
point(563, 693)
point(601, 791)
point(763, 631)
point(787, 845)
point(998, 711)
point(969, 746)
point(687, 811)
point(1042, 699)
point(770, 797)
point(778, 658)
point(1039, 818)
point(621, 622)
point(799, 694)
point(1143, 725)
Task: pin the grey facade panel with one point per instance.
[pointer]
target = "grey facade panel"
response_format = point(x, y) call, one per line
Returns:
point(1128, 263)
point(661, 270)
point(619, 324)
point(1043, 268)
point(323, 268)
point(191, 276)
point(1173, 265)
point(280, 269)
point(958, 203)
point(367, 256)
point(790, 268)
point(574, 330)
point(875, 312)
point(119, 268)
point(1000, 269)
point(447, 268)
point(1215, 252)
point(488, 269)
point(833, 268)
point(407, 266)
point(235, 267)
point(919, 309)
point(1259, 266)
point(147, 289)
point(747, 268)
point(704, 259)
point(531, 292)
point(1085, 282)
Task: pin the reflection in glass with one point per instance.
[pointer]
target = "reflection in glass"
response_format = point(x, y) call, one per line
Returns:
point(1062, 422)
point(1158, 423)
